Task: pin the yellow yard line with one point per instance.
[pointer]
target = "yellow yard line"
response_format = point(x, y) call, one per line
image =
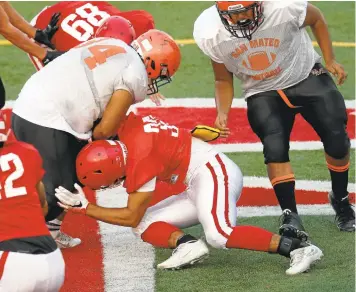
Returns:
point(191, 42)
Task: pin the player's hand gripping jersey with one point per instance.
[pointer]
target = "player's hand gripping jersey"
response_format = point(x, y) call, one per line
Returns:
point(155, 149)
point(79, 21)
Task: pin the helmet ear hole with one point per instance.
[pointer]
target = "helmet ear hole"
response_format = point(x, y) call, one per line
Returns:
point(153, 65)
point(98, 171)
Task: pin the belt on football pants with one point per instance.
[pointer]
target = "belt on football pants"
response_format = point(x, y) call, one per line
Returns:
point(3, 258)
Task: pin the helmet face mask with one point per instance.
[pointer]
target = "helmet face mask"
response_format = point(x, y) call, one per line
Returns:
point(163, 79)
point(243, 28)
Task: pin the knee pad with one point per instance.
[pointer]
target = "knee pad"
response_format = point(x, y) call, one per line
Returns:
point(337, 144)
point(215, 239)
point(276, 148)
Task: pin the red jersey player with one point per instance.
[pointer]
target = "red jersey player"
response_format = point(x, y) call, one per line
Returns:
point(27, 250)
point(150, 150)
point(80, 20)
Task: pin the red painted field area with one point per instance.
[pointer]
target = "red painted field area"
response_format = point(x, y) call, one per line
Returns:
point(241, 131)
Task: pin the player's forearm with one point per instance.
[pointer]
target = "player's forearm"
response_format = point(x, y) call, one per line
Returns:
point(17, 38)
point(116, 216)
point(321, 33)
point(101, 132)
point(17, 20)
point(224, 94)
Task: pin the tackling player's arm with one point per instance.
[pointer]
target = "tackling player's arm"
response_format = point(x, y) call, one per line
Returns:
point(130, 216)
point(16, 37)
point(114, 114)
point(315, 19)
point(224, 94)
point(17, 20)
point(42, 196)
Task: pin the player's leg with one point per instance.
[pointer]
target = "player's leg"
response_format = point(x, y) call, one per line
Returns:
point(32, 273)
point(325, 111)
point(215, 191)
point(58, 150)
point(272, 120)
point(161, 227)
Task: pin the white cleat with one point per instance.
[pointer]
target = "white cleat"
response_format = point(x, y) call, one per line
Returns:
point(302, 258)
point(63, 240)
point(186, 254)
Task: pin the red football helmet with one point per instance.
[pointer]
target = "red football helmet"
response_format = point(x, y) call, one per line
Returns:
point(244, 28)
point(101, 163)
point(161, 56)
point(116, 27)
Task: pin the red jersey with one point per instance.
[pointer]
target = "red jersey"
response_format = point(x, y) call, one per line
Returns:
point(155, 149)
point(80, 19)
point(21, 170)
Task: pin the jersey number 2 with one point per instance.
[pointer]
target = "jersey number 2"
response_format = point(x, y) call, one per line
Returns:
point(101, 53)
point(8, 189)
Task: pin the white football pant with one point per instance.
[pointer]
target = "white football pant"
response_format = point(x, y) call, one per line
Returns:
point(214, 187)
point(32, 273)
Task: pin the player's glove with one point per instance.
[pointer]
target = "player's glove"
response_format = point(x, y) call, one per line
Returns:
point(45, 36)
point(50, 56)
point(76, 202)
point(205, 133)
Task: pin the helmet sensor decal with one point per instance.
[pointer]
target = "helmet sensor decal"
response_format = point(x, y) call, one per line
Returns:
point(146, 45)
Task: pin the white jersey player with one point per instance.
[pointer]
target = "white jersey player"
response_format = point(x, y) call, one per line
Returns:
point(254, 61)
point(265, 44)
point(74, 92)
point(85, 94)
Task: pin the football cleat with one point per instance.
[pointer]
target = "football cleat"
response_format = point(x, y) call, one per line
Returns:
point(345, 215)
point(63, 240)
point(292, 226)
point(302, 258)
point(186, 254)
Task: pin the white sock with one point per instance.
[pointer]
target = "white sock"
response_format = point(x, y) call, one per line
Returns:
point(54, 227)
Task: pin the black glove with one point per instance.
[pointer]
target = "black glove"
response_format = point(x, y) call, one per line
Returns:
point(45, 36)
point(50, 56)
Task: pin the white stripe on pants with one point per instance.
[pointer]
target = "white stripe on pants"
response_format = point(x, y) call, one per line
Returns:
point(33, 273)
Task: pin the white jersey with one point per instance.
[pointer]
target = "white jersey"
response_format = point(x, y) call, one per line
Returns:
point(72, 91)
point(279, 55)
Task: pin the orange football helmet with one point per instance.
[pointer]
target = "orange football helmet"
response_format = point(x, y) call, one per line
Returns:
point(116, 27)
point(161, 56)
point(243, 28)
point(101, 164)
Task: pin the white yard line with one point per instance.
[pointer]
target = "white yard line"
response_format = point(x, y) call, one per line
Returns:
point(128, 261)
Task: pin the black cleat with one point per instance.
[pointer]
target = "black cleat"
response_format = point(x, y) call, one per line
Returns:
point(345, 215)
point(292, 226)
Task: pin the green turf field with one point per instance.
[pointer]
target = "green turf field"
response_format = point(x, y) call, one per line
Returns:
point(236, 270)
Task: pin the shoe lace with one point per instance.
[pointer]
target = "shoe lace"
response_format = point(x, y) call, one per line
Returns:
point(297, 258)
point(63, 237)
point(181, 246)
point(286, 217)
